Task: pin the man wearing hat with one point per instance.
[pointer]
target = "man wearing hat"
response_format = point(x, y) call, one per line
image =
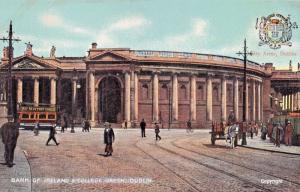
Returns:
point(288, 134)
point(109, 138)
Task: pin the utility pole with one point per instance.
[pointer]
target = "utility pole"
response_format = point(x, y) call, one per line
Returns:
point(10, 109)
point(244, 54)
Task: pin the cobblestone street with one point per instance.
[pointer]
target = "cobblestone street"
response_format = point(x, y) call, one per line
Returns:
point(179, 162)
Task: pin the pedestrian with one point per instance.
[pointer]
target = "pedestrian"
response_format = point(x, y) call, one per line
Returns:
point(52, 133)
point(36, 128)
point(87, 126)
point(157, 132)
point(125, 125)
point(277, 137)
point(109, 138)
point(63, 125)
point(288, 134)
point(263, 132)
point(10, 134)
point(231, 118)
point(189, 126)
point(143, 127)
point(251, 130)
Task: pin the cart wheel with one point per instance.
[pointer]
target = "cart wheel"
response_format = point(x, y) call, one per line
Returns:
point(213, 140)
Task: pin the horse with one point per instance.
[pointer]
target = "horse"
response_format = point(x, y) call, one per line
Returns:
point(230, 133)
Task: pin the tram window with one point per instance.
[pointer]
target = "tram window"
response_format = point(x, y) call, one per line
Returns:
point(51, 116)
point(32, 116)
point(42, 116)
point(25, 116)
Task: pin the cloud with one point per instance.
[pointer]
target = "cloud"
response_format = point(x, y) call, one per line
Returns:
point(51, 20)
point(196, 32)
point(129, 23)
point(108, 35)
point(55, 21)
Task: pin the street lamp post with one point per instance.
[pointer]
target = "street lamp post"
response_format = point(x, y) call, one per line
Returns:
point(244, 54)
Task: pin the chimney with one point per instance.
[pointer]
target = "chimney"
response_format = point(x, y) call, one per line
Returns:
point(94, 45)
point(5, 53)
point(5, 56)
point(28, 51)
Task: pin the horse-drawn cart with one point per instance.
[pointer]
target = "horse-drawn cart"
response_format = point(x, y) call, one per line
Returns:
point(217, 132)
point(220, 131)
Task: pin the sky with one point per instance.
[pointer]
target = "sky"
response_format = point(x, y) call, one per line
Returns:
point(201, 26)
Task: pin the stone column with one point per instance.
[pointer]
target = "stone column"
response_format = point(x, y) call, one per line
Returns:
point(92, 95)
point(283, 102)
point(287, 102)
point(53, 91)
point(236, 98)
point(298, 100)
point(20, 91)
point(74, 94)
point(175, 97)
point(193, 98)
point(209, 97)
point(132, 96)
point(254, 101)
point(36, 92)
point(155, 97)
point(136, 96)
point(224, 101)
point(127, 97)
point(258, 102)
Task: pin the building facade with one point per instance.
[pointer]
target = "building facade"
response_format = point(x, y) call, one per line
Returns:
point(121, 84)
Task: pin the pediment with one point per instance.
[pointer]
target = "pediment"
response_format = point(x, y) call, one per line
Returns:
point(109, 56)
point(28, 64)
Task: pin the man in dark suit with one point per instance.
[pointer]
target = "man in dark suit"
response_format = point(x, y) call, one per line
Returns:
point(10, 134)
point(52, 135)
point(109, 138)
point(143, 127)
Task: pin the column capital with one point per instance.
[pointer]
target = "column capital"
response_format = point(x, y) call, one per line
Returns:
point(209, 75)
point(225, 76)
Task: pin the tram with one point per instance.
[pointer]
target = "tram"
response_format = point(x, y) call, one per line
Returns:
point(29, 115)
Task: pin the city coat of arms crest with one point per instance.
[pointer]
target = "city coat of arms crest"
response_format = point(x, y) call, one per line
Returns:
point(275, 30)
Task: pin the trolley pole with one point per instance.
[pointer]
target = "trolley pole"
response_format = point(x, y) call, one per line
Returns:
point(11, 113)
point(244, 54)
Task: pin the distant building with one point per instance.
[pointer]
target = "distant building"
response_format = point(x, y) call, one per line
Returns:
point(120, 84)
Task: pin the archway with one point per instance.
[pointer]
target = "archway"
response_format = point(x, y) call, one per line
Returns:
point(109, 99)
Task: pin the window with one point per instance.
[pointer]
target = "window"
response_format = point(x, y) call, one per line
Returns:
point(42, 116)
point(200, 92)
point(51, 116)
point(183, 92)
point(216, 93)
point(32, 116)
point(163, 94)
point(145, 91)
point(25, 116)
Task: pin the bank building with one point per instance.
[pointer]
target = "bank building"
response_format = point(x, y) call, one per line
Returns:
point(120, 84)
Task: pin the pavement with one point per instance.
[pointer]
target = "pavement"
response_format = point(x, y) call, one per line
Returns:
point(179, 162)
point(266, 145)
point(20, 170)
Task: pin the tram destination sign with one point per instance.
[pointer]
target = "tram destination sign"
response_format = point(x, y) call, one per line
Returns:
point(37, 109)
